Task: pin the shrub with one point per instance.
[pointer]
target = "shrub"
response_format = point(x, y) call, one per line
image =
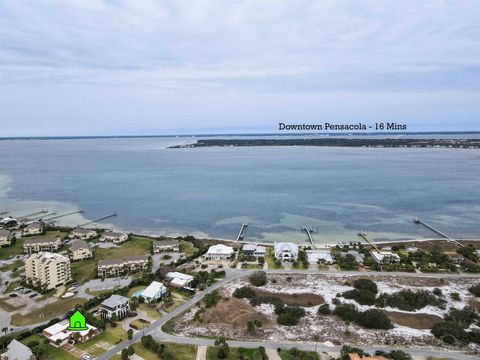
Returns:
point(455, 296)
point(258, 278)
point(448, 332)
point(464, 317)
point(211, 299)
point(374, 319)
point(437, 292)
point(362, 296)
point(346, 312)
point(324, 309)
point(244, 292)
point(289, 315)
point(475, 290)
point(365, 284)
point(409, 300)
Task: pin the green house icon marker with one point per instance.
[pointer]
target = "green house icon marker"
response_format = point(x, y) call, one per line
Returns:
point(77, 322)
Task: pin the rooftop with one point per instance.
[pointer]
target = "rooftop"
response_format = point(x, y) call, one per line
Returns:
point(36, 241)
point(115, 300)
point(79, 244)
point(153, 289)
point(220, 249)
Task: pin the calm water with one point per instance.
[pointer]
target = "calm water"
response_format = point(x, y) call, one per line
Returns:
point(277, 190)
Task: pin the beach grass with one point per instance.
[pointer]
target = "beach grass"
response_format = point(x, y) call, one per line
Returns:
point(179, 351)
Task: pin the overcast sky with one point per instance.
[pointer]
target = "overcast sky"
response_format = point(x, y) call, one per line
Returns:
point(138, 67)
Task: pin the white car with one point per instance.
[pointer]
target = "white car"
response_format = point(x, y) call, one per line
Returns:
point(87, 357)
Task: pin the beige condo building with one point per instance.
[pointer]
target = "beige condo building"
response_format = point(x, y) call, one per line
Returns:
point(47, 269)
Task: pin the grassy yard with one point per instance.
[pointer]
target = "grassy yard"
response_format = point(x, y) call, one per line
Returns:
point(47, 312)
point(100, 292)
point(110, 335)
point(133, 290)
point(235, 354)
point(187, 248)
point(179, 351)
point(137, 245)
point(150, 310)
point(49, 352)
point(15, 265)
point(271, 260)
point(252, 266)
point(12, 286)
point(294, 354)
point(83, 271)
point(10, 251)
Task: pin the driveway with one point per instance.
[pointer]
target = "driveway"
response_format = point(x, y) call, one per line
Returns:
point(99, 285)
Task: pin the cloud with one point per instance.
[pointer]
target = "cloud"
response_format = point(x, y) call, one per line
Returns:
point(238, 47)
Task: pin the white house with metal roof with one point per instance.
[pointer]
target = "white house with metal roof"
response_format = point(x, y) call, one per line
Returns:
point(219, 252)
point(154, 292)
point(17, 351)
point(286, 251)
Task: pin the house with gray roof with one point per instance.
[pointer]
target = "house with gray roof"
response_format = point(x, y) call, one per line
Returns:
point(79, 250)
point(17, 351)
point(35, 245)
point(115, 305)
point(114, 237)
point(6, 237)
point(83, 234)
point(122, 266)
point(35, 228)
point(166, 245)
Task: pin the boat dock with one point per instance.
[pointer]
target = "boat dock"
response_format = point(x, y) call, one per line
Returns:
point(50, 217)
point(363, 235)
point(309, 234)
point(242, 232)
point(97, 219)
point(431, 228)
point(26, 217)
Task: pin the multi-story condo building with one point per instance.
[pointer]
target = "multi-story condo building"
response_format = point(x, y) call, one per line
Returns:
point(83, 234)
point(79, 250)
point(31, 246)
point(36, 228)
point(115, 304)
point(114, 237)
point(121, 266)
point(166, 245)
point(6, 237)
point(47, 269)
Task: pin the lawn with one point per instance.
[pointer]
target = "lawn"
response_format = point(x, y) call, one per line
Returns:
point(110, 335)
point(252, 266)
point(15, 265)
point(187, 248)
point(12, 286)
point(100, 292)
point(235, 354)
point(139, 324)
point(294, 354)
point(179, 351)
point(150, 310)
point(83, 271)
point(137, 245)
point(49, 352)
point(47, 312)
point(14, 250)
point(271, 261)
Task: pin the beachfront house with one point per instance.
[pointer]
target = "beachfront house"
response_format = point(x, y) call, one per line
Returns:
point(17, 351)
point(178, 279)
point(115, 305)
point(166, 245)
point(385, 257)
point(82, 234)
point(254, 250)
point(154, 292)
point(31, 246)
point(114, 237)
point(35, 228)
point(286, 251)
point(79, 250)
point(219, 252)
point(6, 237)
point(58, 334)
point(320, 257)
point(122, 266)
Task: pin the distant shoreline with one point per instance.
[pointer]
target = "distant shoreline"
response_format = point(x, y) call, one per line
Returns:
point(339, 142)
point(304, 134)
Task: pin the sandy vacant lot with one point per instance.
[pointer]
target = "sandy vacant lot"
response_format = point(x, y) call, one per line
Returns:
point(230, 316)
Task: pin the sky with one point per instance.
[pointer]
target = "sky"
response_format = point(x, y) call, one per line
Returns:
point(192, 67)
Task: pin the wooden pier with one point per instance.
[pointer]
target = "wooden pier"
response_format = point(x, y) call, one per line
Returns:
point(431, 228)
point(97, 219)
point(309, 234)
point(363, 235)
point(242, 231)
point(32, 214)
point(62, 215)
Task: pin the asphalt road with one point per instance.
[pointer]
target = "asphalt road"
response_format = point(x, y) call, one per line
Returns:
point(155, 329)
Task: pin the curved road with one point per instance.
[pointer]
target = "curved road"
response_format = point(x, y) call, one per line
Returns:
point(155, 329)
